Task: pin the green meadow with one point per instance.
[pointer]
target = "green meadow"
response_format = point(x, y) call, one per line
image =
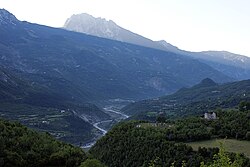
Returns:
point(231, 145)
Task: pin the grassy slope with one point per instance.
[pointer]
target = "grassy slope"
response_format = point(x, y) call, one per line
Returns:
point(231, 145)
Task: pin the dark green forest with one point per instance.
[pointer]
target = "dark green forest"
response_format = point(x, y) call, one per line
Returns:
point(229, 124)
point(138, 143)
point(20, 146)
point(130, 143)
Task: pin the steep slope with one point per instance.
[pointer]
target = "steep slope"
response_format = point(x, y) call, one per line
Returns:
point(196, 100)
point(228, 58)
point(6, 18)
point(96, 68)
point(235, 66)
point(10, 86)
point(15, 88)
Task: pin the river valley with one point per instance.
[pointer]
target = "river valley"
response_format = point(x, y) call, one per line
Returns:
point(104, 125)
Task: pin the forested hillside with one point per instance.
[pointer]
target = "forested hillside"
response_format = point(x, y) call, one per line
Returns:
point(201, 98)
point(138, 143)
point(20, 146)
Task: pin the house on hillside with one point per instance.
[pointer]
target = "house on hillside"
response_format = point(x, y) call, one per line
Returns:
point(210, 115)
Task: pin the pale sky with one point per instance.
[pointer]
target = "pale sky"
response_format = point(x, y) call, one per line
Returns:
point(193, 25)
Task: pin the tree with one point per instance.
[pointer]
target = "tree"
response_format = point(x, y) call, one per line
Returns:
point(222, 160)
point(244, 106)
point(161, 119)
point(92, 163)
point(248, 135)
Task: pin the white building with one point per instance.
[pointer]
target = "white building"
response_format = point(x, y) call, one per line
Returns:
point(210, 115)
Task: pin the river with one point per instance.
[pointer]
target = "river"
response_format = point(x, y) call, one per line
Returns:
point(96, 125)
point(109, 109)
point(102, 130)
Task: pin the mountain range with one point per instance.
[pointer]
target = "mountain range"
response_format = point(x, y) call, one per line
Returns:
point(233, 65)
point(53, 79)
point(89, 68)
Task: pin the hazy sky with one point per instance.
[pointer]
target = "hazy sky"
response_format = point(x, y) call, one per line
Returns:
point(193, 25)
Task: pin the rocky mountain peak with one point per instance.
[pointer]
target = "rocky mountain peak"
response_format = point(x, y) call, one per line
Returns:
point(7, 18)
point(101, 27)
point(88, 24)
